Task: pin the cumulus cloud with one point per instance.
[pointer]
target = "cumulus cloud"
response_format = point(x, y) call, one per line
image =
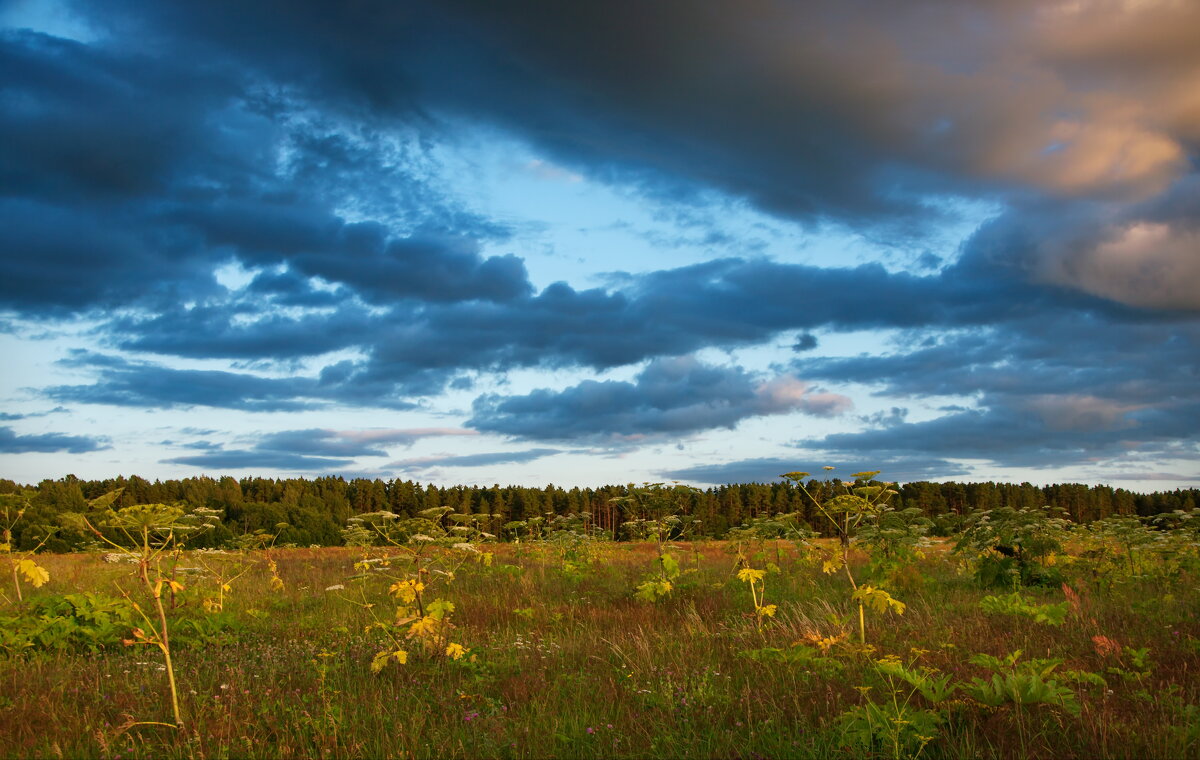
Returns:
point(677, 396)
point(1144, 255)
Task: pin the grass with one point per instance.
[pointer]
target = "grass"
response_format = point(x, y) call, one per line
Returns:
point(570, 665)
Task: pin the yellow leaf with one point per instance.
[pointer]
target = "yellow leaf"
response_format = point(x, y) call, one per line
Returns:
point(380, 660)
point(455, 651)
point(37, 575)
point(407, 590)
point(176, 586)
point(878, 600)
point(426, 627)
point(750, 576)
point(226, 587)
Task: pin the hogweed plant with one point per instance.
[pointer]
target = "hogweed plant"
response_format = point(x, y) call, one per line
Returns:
point(22, 563)
point(414, 564)
point(748, 541)
point(224, 573)
point(851, 506)
point(657, 515)
point(1014, 547)
point(758, 593)
point(898, 725)
point(575, 543)
point(151, 532)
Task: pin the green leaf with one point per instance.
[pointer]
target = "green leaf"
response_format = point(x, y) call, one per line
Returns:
point(670, 566)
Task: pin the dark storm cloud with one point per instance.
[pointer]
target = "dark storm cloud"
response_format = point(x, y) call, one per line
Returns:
point(475, 460)
point(430, 265)
point(728, 302)
point(1144, 254)
point(901, 469)
point(670, 396)
point(14, 443)
point(417, 351)
point(812, 110)
point(295, 139)
point(142, 384)
point(221, 331)
point(1047, 394)
point(128, 177)
point(1040, 432)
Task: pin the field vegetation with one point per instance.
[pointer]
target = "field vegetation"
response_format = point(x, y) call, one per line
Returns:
point(1025, 634)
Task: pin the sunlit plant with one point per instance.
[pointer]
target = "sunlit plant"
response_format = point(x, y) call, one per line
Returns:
point(21, 563)
point(150, 532)
point(413, 565)
point(755, 579)
point(656, 513)
point(1014, 547)
point(852, 505)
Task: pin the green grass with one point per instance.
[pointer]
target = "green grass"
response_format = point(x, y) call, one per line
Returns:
point(573, 666)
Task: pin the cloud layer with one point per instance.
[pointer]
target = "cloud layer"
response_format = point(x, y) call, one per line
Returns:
point(301, 146)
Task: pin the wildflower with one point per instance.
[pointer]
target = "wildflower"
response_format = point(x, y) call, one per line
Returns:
point(455, 651)
point(591, 730)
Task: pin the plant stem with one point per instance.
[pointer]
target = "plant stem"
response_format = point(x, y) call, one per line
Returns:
point(164, 642)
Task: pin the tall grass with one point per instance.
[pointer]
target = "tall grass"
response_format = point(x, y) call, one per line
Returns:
point(571, 665)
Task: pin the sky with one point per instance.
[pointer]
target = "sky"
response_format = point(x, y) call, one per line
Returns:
point(536, 242)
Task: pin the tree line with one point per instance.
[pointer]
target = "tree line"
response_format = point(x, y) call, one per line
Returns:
point(306, 511)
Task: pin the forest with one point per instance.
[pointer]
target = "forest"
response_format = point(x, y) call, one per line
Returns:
point(314, 512)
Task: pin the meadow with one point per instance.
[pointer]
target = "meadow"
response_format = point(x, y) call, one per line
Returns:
point(568, 645)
